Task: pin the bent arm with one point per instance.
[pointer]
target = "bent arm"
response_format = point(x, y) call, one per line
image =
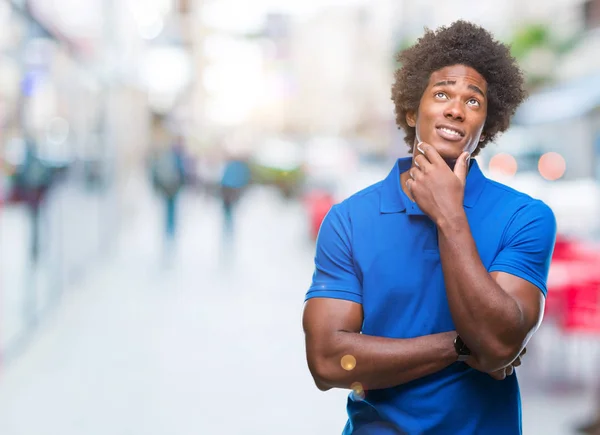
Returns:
point(494, 313)
point(332, 331)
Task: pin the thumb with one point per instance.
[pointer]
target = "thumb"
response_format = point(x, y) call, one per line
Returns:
point(461, 166)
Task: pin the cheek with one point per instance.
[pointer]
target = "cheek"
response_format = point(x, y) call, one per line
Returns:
point(424, 118)
point(478, 122)
point(425, 109)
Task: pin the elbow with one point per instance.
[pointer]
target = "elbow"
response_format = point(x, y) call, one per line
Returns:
point(322, 373)
point(322, 386)
point(321, 380)
point(498, 356)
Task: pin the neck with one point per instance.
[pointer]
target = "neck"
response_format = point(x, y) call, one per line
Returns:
point(451, 163)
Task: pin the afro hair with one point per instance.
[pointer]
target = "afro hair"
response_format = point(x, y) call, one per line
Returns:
point(461, 43)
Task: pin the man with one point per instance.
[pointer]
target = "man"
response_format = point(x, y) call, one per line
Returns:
point(234, 180)
point(429, 284)
point(33, 180)
point(169, 177)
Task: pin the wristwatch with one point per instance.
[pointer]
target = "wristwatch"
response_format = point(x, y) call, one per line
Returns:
point(461, 348)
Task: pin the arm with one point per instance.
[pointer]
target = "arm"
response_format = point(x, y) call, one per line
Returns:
point(332, 330)
point(333, 319)
point(495, 314)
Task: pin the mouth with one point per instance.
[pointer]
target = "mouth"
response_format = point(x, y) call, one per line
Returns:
point(450, 133)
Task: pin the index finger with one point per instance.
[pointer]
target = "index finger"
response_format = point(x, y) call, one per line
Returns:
point(430, 153)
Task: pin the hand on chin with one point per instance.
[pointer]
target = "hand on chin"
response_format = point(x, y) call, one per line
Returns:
point(449, 152)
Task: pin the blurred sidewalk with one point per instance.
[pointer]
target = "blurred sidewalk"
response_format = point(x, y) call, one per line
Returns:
point(211, 344)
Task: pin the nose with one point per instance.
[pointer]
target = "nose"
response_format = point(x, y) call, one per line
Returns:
point(455, 111)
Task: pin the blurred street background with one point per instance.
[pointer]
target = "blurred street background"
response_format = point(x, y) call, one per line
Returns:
point(164, 169)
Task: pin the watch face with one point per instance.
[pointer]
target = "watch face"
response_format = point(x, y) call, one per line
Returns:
point(460, 347)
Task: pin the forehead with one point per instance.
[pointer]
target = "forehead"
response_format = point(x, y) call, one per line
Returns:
point(458, 73)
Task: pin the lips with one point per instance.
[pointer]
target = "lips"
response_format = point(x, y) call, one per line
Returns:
point(449, 132)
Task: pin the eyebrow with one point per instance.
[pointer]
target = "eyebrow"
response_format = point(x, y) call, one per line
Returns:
point(453, 82)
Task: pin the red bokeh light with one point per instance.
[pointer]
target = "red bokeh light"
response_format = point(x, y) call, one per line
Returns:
point(552, 166)
point(503, 164)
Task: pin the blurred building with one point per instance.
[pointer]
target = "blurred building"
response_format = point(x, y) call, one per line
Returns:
point(343, 64)
point(72, 85)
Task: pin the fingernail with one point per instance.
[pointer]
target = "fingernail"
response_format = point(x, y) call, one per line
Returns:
point(419, 148)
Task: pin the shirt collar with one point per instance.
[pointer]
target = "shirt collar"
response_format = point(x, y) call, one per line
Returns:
point(394, 200)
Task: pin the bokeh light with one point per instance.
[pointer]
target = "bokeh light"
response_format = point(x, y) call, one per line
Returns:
point(503, 164)
point(552, 166)
point(358, 391)
point(348, 362)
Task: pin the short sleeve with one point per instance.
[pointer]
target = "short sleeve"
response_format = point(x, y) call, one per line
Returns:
point(334, 275)
point(528, 245)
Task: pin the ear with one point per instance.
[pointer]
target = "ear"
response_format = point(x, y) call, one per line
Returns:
point(482, 137)
point(411, 119)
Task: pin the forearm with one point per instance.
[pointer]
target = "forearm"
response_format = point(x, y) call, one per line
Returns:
point(383, 362)
point(488, 320)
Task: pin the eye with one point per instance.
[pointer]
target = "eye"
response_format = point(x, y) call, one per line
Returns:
point(440, 95)
point(473, 102)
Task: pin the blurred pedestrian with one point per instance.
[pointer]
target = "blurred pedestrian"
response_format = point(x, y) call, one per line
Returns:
point(168, 177)
point(235, 179)
point(428, 285)
point(32, 180)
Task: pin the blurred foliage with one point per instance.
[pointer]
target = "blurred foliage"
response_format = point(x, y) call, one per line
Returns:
point(538, 35)
point(287, 181)
point(533, 38)
point(528, 38)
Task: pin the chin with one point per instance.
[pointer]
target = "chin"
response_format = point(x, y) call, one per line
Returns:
point(449, 151)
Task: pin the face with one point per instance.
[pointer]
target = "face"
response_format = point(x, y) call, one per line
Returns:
point(452, 111)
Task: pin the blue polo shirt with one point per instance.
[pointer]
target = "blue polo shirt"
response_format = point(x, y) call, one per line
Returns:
point(378, 249)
